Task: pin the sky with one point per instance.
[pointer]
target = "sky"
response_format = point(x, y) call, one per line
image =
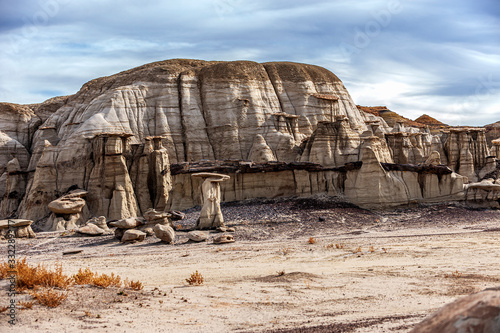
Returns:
point(440, 58)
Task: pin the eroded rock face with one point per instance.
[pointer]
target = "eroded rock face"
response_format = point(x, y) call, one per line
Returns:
point(117, 137)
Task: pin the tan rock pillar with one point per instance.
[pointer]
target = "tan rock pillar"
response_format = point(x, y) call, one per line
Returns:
point(495, 149)
point(211, 214)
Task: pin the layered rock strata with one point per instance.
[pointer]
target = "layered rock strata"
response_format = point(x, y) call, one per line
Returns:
point(117, 136)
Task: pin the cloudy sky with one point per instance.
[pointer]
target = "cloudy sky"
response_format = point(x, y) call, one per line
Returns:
point(441, 58)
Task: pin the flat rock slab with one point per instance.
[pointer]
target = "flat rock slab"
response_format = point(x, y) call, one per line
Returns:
point(128, 223)
point(4, 224)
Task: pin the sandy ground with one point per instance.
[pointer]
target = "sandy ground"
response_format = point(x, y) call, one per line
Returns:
point(412, 262)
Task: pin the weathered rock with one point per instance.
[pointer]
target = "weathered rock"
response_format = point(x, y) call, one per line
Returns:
point(165, 233)
point(433, 159)
point(153, 216)
point(211, 214)
point(20, 227)
point(495, 149)
point(116, 137)
point(489, 169)
point(67, 205)
point(132, 235)
point(483, 188)
point(221, 229)
point(91, 230)
point(281, 102)
point(197, 236)
point(4, 224)
point(475, 313)
point(260, 151)
point(222, 239)
point(25, 232)
point(332, 144)
point(14, 188)
point(57, 222)
point(100, 222)
point(128, 223)
point(147, 228)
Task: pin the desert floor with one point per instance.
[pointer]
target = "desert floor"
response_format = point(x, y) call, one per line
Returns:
point(366, 271)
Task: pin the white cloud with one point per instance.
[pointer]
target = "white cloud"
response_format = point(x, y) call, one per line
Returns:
point(427, 58)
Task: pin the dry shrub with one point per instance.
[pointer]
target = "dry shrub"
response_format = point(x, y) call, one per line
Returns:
point(371, 249)
point(54, 278)
point(358, 250)
point(312, 240)
point(49, 297)
point(3, 308)
point(29, 277)
point(4, 270)
point(26, 305)
point(136, 285)
point(285, 251)
point(85, 276)
point(339, 246)
point(105, 280)
point(195, 279)
point(456, 274)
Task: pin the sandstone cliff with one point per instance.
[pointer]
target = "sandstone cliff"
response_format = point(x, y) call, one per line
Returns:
point(117, 137)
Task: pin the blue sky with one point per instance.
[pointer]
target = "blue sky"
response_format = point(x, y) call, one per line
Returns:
point(441, 58)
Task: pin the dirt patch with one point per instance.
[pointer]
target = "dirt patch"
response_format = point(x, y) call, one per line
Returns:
point(367, 271)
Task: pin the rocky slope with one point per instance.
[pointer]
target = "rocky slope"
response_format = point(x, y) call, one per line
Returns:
point(117, 137)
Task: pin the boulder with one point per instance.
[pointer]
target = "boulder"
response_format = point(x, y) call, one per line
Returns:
point(91, 230)
point(478, 312)
point(165, 233)
point(132, 235)
point(197, 236)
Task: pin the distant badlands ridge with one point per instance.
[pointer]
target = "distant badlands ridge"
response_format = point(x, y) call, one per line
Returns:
point(391, 117)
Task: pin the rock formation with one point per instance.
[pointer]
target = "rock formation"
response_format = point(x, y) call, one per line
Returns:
point(18, 228)
point(118, 137)
point(211, 214)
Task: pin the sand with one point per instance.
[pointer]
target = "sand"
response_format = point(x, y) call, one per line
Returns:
point(365, 271)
